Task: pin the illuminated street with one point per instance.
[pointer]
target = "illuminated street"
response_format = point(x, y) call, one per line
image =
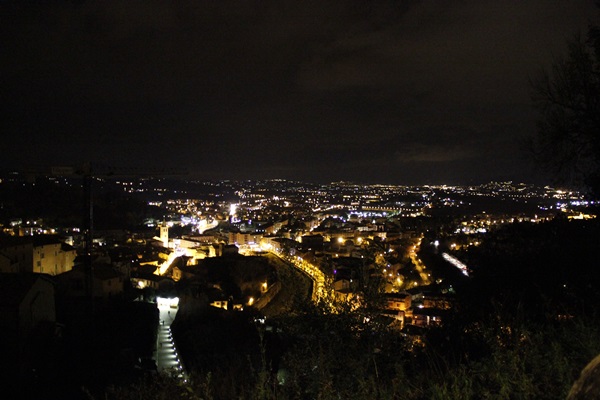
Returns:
point(312, 271)
point(166, 355)
point(309, 269)
point(419, 266)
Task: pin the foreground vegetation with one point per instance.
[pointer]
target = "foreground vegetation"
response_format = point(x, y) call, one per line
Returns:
point(336, 357)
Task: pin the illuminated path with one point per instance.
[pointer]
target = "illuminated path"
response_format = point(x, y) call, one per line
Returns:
point(172, 256)
point(166, 354)
point(313, 272)
point(419, 266)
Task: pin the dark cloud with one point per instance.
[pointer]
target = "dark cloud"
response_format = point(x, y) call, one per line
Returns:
point(394, 91)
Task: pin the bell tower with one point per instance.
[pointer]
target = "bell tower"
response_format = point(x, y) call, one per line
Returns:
point(164, 234)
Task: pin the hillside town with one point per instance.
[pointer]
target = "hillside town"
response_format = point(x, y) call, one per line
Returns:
point(393, 251)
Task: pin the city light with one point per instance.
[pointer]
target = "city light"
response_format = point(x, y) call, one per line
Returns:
point(454, 261)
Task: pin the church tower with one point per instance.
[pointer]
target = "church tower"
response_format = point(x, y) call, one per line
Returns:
point(164, 234)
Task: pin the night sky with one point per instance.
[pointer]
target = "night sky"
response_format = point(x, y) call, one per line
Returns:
point(402, 92)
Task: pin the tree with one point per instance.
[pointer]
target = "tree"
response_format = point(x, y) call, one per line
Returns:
point(567, 96)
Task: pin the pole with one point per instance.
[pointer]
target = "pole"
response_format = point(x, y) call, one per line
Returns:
point(88, 223)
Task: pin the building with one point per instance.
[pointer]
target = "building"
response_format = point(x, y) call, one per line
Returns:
point(28, 326)
point(51, 256)
point(144, 280)
point(17, 254)
point(107, 282)
point(398, 301)
point(313, 242)
point(164, 234)
point(428, 316)
point(44, 254)
point(239, 238)
point(8, 264)
point(230, 249)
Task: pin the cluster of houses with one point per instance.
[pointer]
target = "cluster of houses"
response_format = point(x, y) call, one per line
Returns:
point(37, 269)
point(41, 275)
point(417, 307)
